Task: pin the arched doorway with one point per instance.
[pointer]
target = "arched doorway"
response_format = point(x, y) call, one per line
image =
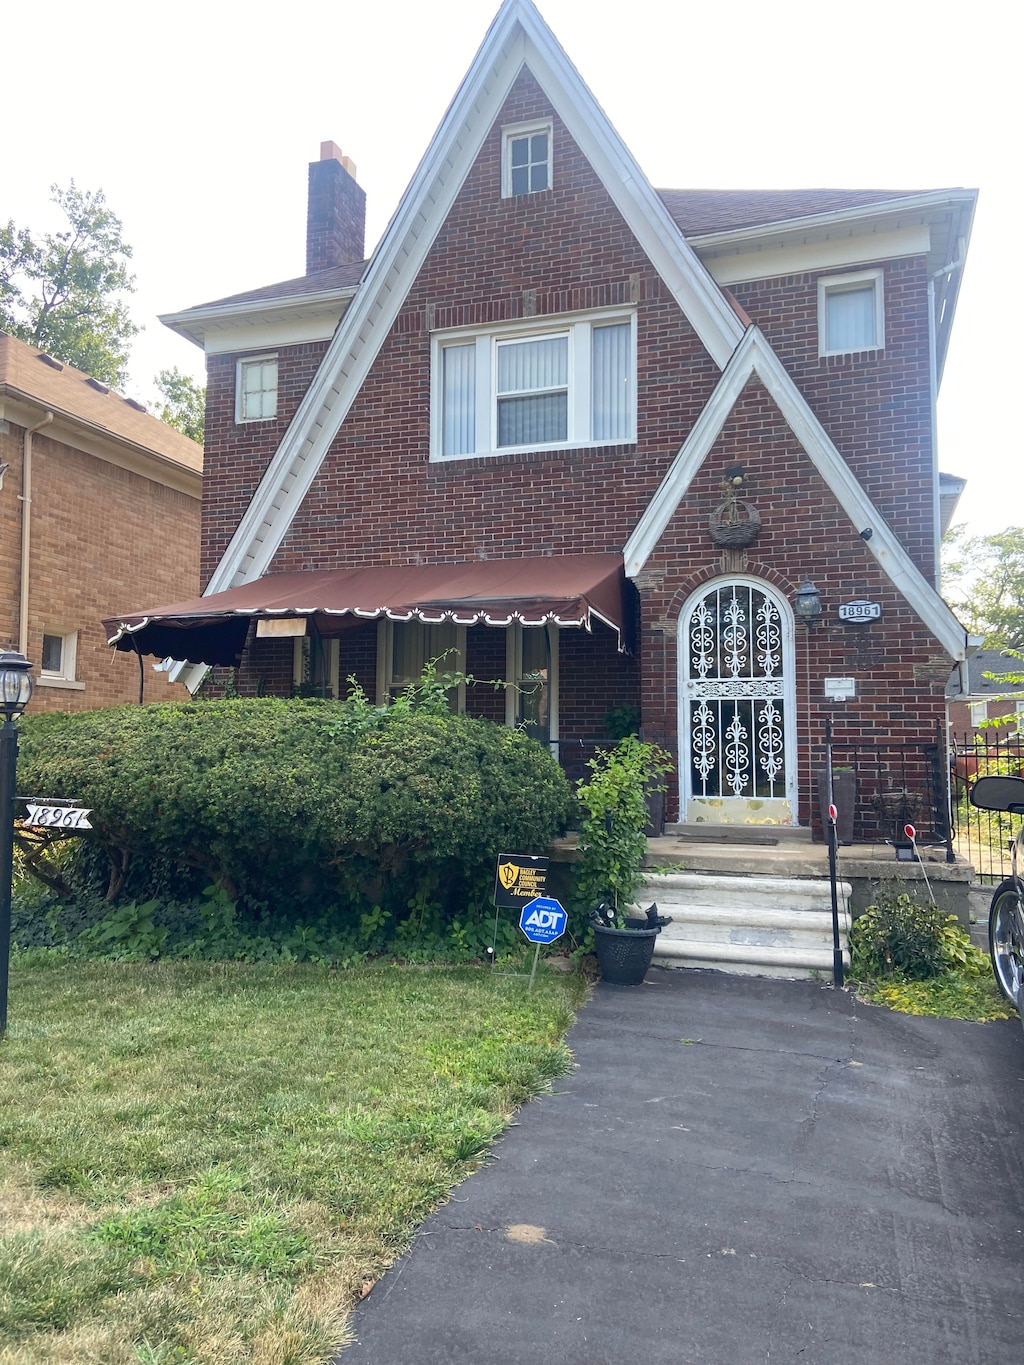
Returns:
point(737, 705)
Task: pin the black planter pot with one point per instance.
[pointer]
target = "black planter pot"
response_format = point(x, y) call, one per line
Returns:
point(624, 954)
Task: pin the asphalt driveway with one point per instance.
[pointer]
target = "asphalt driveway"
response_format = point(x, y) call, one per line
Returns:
point(738, 1171)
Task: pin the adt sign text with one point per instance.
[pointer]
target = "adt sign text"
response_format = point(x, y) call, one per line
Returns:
point(543, 920)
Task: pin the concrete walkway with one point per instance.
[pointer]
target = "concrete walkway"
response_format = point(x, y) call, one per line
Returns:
point(738, 1172)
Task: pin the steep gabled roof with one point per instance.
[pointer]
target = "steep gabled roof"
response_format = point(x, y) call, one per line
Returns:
point(518, 37)
point(755, 357)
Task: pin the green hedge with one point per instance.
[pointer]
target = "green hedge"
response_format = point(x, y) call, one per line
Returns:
point(301, 802)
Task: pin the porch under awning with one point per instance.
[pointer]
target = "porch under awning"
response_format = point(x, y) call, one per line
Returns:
point(566, 590)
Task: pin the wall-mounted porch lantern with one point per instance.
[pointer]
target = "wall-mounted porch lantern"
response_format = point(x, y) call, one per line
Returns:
point(807, 603)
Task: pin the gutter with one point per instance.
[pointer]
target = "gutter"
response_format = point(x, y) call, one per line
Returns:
point(26, 528)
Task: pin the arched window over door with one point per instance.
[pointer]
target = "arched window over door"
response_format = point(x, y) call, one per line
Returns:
point(737, 705)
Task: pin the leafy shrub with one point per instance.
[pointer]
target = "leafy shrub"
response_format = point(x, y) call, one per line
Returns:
point(897, 937)
point(612, 841)
point(291, 806)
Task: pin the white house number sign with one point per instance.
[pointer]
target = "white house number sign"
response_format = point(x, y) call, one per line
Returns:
point(57, 817)
point(857, 613)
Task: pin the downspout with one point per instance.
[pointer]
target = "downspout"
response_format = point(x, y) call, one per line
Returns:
point(933, 388)
point(26, 529)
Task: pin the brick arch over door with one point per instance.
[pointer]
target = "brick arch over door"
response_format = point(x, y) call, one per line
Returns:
point(737, 704)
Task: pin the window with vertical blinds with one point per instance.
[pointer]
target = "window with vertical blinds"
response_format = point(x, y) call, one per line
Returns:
point(850, 313)
point(517, 389)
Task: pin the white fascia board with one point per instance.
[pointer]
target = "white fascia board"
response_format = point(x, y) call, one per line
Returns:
point(755, 356)
point(194, 324)
point(877, 212)
point(517, 37)
point(781, 257)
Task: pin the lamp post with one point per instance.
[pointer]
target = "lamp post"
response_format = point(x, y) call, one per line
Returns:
point(15, 693)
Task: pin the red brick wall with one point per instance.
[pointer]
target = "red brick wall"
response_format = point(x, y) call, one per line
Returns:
point(899, 669)
point(876, 405)
point(103, 540)
point(377, 499)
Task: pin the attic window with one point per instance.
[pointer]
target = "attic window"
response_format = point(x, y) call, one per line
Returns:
point(526, 159)
point(851, 314)
point(256, 389)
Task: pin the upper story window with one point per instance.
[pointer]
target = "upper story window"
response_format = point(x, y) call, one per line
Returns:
point(526, 159)
point(529, 385)
point(256, 388)
point(851, 313)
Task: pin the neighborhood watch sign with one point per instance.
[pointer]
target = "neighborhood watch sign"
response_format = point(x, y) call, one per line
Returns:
point(519, 879)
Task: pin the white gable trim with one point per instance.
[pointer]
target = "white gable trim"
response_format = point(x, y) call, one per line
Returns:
point(755, 357)
point(517, 37)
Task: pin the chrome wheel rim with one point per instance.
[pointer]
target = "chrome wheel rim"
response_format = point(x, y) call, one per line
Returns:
point(1007, 946)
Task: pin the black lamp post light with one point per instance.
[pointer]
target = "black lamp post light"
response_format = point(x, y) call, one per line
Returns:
point(16, 687)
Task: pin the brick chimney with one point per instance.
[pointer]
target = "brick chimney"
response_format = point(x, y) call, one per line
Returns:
point(336, 217)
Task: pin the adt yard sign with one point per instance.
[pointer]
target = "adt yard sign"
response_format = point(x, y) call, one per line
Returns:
point(543, 920)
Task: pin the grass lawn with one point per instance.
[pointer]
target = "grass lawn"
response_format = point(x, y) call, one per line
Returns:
point(211, 1162)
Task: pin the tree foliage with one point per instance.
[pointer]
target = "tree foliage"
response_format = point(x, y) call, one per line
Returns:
point(983, 581)
point(184, 406)
point(64, 292)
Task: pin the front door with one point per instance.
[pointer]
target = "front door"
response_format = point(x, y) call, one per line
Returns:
point(737, 705)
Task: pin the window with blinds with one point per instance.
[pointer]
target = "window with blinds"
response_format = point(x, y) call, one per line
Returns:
point(520, 389)
point(850, 313)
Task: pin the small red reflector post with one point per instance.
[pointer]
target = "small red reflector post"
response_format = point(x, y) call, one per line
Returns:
point(833, 814)
point(910, 832)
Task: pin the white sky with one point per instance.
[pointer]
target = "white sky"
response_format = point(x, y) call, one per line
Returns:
point(198, 119)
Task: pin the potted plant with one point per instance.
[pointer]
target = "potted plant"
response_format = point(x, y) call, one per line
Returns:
point(612, 847)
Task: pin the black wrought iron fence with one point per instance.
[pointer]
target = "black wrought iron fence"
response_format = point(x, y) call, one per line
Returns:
point(984, 837)
point(898, 785)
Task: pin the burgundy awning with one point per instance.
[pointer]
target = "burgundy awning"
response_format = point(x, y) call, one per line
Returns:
point(568, 590)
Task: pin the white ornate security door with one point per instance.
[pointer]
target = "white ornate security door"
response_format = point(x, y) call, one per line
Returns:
point(736, 705)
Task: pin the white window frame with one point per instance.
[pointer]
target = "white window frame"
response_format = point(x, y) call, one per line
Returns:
point(579, 328)
point(242, 364)
point(386, 659)
point(303, 649)
point(510, 134)
point(979, 713)
point(513, 669)
point(65, 675)
point(841, 284)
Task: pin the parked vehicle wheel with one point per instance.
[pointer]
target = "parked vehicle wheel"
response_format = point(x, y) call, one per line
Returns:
point(1006, 942)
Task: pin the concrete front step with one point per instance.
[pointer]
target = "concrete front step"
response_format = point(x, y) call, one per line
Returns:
point(748, 893)
point(789, 964)
point(739, 834)
point(757, 925)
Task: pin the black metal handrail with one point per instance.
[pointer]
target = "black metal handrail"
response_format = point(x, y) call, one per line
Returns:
point(899, 784)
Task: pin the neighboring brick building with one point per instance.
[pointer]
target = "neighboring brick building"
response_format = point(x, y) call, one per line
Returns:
point(985, 691)
point(99, 503)
point(548, 368)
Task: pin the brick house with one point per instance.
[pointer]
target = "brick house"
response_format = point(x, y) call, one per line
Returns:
point(99, 502)
point(985, 690)
point(604, 441)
